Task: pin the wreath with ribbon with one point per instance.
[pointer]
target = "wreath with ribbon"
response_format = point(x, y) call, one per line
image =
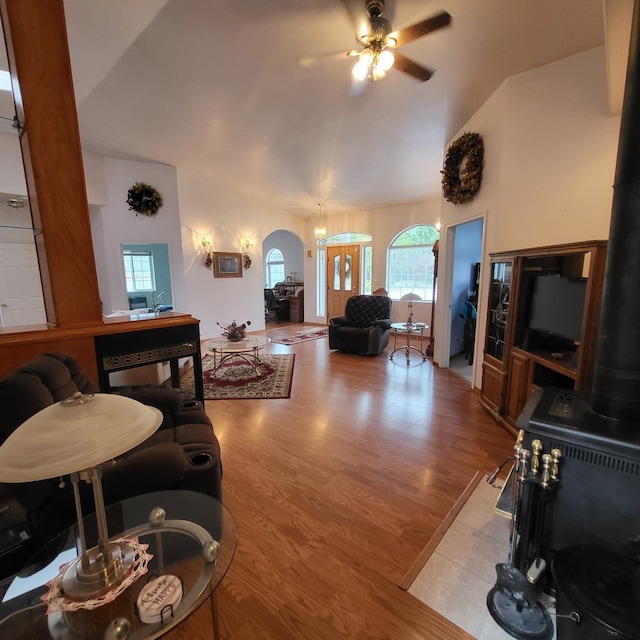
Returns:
point(143, 198)
point(461, 181)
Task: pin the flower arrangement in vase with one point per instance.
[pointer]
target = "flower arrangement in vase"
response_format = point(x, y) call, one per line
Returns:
point(234, 332)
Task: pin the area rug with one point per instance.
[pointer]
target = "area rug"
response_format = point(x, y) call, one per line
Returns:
point(302, 337)
point(237, 380)
point(456, 570)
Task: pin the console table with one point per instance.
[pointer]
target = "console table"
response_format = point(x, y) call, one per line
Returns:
point(126, 350)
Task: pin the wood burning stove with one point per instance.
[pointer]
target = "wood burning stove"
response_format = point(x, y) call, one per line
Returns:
point(592, 521)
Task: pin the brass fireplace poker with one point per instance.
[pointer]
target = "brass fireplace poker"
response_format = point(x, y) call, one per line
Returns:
point(514, 600)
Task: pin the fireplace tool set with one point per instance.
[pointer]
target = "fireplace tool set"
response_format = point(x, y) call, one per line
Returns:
point(514, 600)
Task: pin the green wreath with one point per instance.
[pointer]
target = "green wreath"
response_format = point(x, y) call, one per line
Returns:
point(459, 184)
point(143, 198)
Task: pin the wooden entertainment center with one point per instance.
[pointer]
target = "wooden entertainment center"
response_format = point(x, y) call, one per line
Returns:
point(519, 357)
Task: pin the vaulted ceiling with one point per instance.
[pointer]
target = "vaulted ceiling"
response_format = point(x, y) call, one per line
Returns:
point(216, 86)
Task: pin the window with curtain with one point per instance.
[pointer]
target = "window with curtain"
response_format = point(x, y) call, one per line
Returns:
point(275, 267)
point(411, 262)
point(138, 271)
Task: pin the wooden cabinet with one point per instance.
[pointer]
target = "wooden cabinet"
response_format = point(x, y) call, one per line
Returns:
point(519, 387)
point(296, 307)
point(497, 342)
point(542, 323)
point(493, 386)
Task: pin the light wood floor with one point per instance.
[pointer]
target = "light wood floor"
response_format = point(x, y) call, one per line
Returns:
point(335, 492)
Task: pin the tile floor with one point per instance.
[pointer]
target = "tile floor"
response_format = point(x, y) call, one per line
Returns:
point(460, 573)
point(459, 365)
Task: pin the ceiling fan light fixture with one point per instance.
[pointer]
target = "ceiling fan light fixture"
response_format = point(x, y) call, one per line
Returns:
point(360, 70)
point(385, 60)
point(377, 73)
point(367, 56)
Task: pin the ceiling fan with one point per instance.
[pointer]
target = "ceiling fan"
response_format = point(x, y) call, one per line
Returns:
point(378, 41)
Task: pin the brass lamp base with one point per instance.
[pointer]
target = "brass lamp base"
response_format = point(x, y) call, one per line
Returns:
point(97, 572)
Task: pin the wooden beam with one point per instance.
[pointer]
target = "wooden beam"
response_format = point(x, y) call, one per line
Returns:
point(36, 37)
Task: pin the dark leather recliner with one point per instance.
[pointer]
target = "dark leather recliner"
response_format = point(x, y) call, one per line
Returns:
point(183, 453)
point(365, 326)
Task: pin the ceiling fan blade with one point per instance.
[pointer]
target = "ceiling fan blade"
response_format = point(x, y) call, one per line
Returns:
point(359, 17)
point(415, 31)
point(402, 63)
point(312, 61)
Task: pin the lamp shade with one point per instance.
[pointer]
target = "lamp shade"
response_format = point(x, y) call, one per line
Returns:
point(68, 437)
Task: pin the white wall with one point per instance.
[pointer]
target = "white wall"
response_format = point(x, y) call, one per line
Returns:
point(207, 206)
point(550, 149)
point(114, 224)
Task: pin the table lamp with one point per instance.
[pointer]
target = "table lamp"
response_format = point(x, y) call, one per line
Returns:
point(410, 297)
point(73, 437)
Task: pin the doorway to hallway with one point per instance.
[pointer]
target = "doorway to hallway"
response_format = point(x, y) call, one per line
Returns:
point(464, 257)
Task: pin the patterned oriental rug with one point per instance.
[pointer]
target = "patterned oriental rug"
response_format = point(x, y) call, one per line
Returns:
point(302, 337)
point(237, 380)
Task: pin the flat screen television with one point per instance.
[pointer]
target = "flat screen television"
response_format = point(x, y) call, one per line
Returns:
point(557, 307)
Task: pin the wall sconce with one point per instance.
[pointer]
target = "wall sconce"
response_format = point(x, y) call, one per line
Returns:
point(247, 243)
point(437, 225)
point(206, 244)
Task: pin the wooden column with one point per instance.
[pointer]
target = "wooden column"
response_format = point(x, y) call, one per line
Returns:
point(36, 37)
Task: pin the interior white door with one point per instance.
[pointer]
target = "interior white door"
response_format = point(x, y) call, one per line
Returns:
point(21, 300)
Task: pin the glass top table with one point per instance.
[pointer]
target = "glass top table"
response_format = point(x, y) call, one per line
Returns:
point(176, 545)
point(408, 329)
point(247, 349)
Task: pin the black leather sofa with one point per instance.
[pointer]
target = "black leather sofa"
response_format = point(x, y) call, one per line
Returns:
point(183, 453)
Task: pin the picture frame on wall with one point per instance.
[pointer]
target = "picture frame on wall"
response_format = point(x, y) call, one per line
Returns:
point(227, 265)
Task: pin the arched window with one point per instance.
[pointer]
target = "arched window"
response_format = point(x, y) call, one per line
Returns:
point(411, 261)
point(345, 238)
point(275, 267)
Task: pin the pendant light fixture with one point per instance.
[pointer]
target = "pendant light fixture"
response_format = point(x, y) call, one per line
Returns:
point(320, 231)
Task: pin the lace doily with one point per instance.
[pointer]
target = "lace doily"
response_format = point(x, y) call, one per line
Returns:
point(56, 601)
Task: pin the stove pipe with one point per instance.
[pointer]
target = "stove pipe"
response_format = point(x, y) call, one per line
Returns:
point(616, 376)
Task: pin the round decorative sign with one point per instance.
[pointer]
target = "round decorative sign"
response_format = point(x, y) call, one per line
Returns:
point(143, 198)
point(462, 172)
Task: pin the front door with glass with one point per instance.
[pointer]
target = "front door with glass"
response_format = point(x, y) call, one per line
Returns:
point(343, 276)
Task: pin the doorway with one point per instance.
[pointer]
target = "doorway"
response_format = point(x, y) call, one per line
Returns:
point(283, 256)
point(21, 299)
point(464, 250)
